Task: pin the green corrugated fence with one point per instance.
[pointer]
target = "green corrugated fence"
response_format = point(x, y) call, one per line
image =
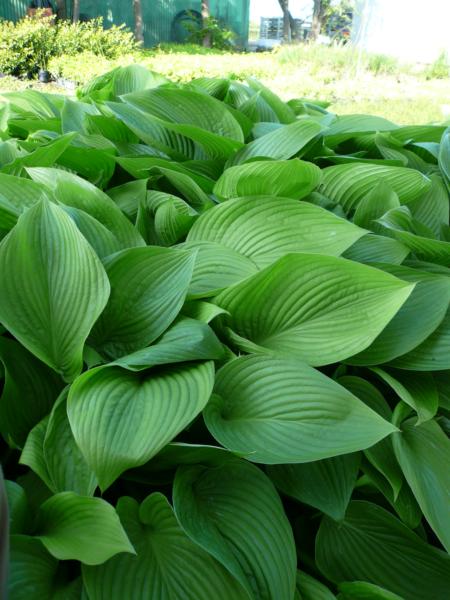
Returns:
point(163, 19)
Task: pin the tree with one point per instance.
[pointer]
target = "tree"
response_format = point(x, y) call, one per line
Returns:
point(75, 11)
point(289, 26)
point(206, 15)
point(138, 21)
point(61, 9)
point(319, 12)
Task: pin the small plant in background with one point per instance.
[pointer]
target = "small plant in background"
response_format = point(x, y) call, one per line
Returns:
point(220, 37)
point(440, 68)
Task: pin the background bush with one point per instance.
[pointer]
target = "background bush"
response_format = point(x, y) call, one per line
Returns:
point(29, 44)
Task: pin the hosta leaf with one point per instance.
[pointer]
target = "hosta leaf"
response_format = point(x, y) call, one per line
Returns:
point(265, 228)
point(35, 573)
point(416, 389)
point(422, 451)
point(128, 196)
point(274, 311)
point(431, 355)
point(349, 184)
point(216, 267)
point(287, 178)
point(380, 455)
point(404, 228)
point(418, 318)
point(433, 209)
point(311, 418)
point(53, 287)
point(73, 191)
point(133, 416)
point(283, 111)
point(377, 249)
point(148, 288)
point(372, 545)
point(74, 527)
point(67, 470)
point(188, 108)
point(283, 143)
point(18, 508)
point(33, 452)
point(43, 156)
point(167, 565)
point(186, 340)
point(325, 484)
point(16, 196)
point(377, 202)
point(235, 514)
point(311, 589)
point(362, 590)
point(29, 391)
point(444, 157)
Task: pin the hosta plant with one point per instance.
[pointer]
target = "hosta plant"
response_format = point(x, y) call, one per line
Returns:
point(224, 346)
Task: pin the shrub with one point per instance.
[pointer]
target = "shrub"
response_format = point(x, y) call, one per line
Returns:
point(31, 43)
point(224, 346)
point(220, 37)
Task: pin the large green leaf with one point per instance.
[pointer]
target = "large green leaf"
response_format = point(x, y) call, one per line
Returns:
point(431, 355)
point(416, 389)
point(313, 307)
point(187, 339)
point(407, 230)
point(349, 184)
point(234, 513)
point(278, 410)
point(422, 451)
point(283, 143)
point(168, 564)
point(433, 209)
point(148, 288)
point(311, 589)
point(362, 590)
point(188, 108)
point(121, 419)
point(377, 249)
point(29, 391)
point(74, 527)
point(417, 319)
point(34, 573)
point(52, 287)
point(74, 191)
point(284, 178)
point(325, 484)
point(372, 545)
point(66, 467)
point(16, 196)
point(216, 267)
point(265, 228)
point(381, 455)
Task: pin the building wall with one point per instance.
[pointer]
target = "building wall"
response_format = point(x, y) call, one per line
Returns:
point(412, 30)
point(158, 15)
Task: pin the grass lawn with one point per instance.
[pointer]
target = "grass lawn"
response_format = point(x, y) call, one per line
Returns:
point(374, 84)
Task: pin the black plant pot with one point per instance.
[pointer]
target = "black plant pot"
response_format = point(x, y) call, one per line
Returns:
point(44, 76)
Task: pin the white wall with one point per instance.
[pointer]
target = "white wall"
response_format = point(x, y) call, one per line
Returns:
point(412, 30)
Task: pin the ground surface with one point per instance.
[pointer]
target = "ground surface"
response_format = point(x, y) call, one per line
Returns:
point(375, 85)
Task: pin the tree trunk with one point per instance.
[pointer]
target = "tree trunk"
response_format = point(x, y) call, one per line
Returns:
point(205, 15)
point(317, 19)
point(138, 21)
point(75, 11)
point(287, 21)
point(61, 9)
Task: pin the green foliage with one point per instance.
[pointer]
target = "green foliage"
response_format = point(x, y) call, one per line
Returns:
point(219, 37)
point(224, 345)
point(439, 69)
point(32, 42)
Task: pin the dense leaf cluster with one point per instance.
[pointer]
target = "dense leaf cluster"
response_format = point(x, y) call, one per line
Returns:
point(224, 346)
